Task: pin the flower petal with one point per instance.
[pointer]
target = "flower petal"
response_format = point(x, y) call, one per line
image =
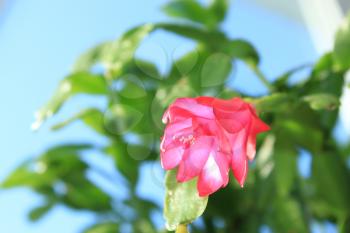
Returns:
point(234, 104)
point(234, 121)
point(259, 126)
point(214, 174)
point(191, 106)
point(239, 162)
point(194, 158)
point(174, 131)
point(170, 158)
point(251, 144)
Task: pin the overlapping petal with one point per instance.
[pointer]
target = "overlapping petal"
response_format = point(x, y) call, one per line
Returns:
point(195, 158)
point(214, 174)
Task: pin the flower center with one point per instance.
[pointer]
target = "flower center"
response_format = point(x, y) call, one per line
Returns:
point(185, 140)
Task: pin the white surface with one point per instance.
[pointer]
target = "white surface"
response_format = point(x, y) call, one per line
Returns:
point(322, 19)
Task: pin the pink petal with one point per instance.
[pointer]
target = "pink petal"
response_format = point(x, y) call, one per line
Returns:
point(233, 121)
point(223, 161)
point(174, 131)
point(259, 126)
point(239, 163)
point(170, 158)
point(214, 174)
point(175, 113)
point(239, 167)
point(205, 100)
point(251, 144)
point(193, 107)
point(234, 104)
point(176, 127)
point(194, 158)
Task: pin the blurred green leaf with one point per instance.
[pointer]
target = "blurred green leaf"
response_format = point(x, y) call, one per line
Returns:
point(219, 9)
point(187, 62)
point(166, 95)
point(61, 169)
point(182, 202)
point(196, 78)
point(106, 227)
point(63, 160)
point(120, 118)
point(67, 148)
point(285, 167)
point(80, 193)
point(287, 216)
point(144, 226)
point(130, 86)
point(324, 80)
point(331, 176)
point(282, 80)
point(143, 150)
point(127, 165)
point(228, 93)
point(296, 133)
point(122, 50)
point(213, 39)
point(321, 208)
point(324, 64)
point(78, 83)
point(322, 101)
point(92, 57)
point(144, 70)
point(193, 10)
point(341, 52)
point(143, 207)
point(187, 9)
point(44, 170)
point(273, 103)
point(344, 225)
point(91, 117)
point(242, 50)
point(39, 212)
point(114, 55)
point(216, 70)
point(24, 176)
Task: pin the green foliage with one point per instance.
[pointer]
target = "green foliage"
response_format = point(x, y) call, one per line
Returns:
point(322, 101)
point(182, 202)
point(107, 227)
point(342, 46)
point(76, 83)
point(302, 117)
point(272, 103)
point(330, 173)
point(192, 10)
point(113, 55)
point(242, 50)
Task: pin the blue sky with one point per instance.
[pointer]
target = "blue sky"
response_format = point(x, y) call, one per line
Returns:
point(39, 41)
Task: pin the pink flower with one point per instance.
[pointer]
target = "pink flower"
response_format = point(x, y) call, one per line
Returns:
point(205, 136)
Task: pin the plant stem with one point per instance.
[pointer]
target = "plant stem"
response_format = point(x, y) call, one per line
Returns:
point(261, 77)
point(181, 229)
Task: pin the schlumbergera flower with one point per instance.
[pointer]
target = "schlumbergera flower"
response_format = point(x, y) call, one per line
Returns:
point(206, 136)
